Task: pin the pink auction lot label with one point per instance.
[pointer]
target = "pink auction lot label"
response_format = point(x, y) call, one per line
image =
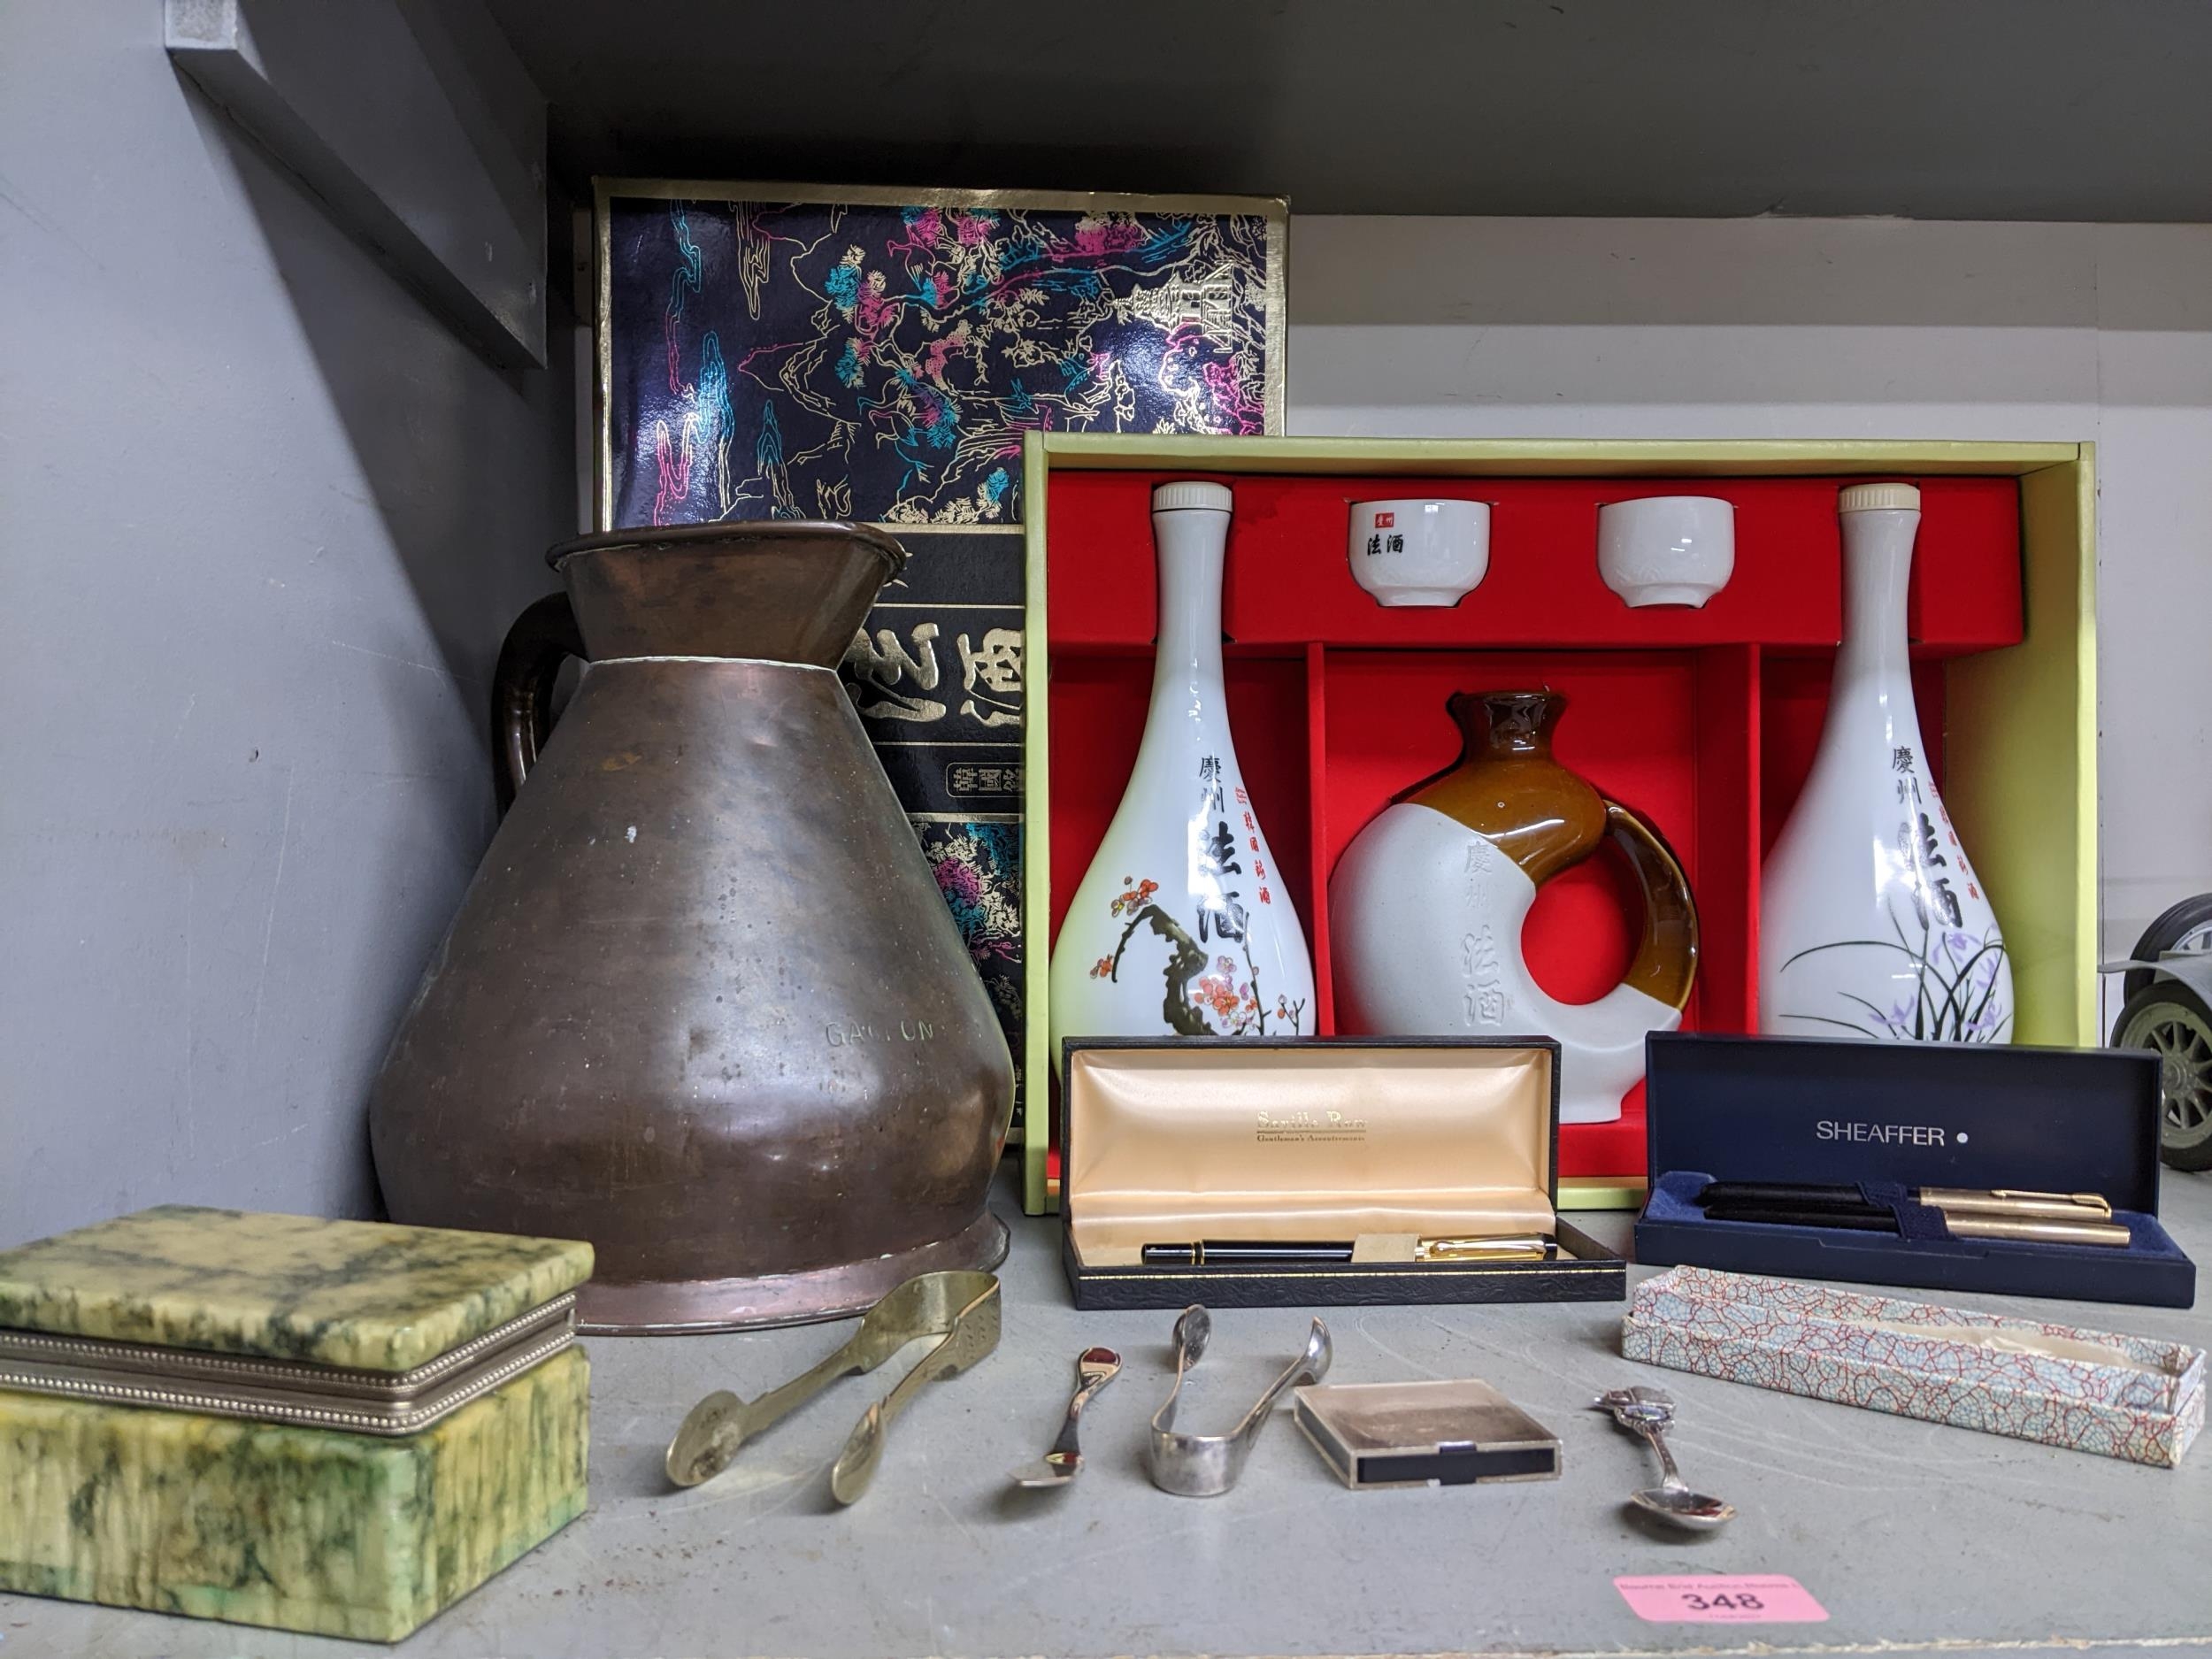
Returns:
point(1759, 1598)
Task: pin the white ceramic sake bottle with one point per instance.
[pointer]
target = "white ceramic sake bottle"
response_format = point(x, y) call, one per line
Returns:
point(1872, 922)
point(1182, 925)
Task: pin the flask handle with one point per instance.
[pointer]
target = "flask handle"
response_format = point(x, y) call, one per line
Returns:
point(544, 637)
point(1664, 965)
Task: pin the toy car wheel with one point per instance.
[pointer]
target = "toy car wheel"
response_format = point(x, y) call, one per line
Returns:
point(2184, 927)
point(2170, 1019)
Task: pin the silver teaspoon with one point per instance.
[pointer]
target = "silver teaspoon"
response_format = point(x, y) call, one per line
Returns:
point(1648, 1412)
point(1095, 1368)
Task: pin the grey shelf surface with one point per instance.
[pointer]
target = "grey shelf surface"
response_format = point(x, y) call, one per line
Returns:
point(1923, 109)
point(1914, 1538)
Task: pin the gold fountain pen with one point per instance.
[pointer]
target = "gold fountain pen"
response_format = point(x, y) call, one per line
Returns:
point(1969, 1212)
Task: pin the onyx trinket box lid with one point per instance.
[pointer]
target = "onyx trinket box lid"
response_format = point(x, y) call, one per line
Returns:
point(357, 1325)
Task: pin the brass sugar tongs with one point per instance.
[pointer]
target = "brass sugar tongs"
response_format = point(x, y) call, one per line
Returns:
point(961, 1307)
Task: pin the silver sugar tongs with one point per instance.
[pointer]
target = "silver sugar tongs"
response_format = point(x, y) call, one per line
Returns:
point(1207, 1465)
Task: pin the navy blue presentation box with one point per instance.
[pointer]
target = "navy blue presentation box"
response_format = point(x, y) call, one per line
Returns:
point(1889, 1117)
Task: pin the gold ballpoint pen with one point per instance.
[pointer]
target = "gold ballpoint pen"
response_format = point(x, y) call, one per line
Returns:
point(2007, 1200)
point(2042, 1230)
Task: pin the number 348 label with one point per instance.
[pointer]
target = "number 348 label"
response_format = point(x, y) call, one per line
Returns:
point(1753, 1598)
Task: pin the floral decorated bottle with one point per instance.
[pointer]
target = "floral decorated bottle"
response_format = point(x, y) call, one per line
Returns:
point(1182, 925)
point(1872, 921)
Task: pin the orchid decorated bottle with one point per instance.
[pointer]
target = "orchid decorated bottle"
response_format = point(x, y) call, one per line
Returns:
point(1872, 920)
point(1182, 925)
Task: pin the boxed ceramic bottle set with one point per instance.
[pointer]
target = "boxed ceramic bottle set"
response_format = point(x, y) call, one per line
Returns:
point(1420, 845)
point(1776, 820)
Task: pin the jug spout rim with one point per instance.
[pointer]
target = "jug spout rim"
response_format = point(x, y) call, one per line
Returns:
point(885, 545)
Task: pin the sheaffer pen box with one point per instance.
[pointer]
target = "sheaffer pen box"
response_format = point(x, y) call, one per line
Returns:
point(1386, 1170)
point(1446, 1433)
point(1894, 1122)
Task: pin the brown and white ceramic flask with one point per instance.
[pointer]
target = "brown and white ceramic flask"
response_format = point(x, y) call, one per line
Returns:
point(1426, 905)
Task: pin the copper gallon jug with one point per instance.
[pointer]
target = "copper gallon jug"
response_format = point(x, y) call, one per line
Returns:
point(702, 1004)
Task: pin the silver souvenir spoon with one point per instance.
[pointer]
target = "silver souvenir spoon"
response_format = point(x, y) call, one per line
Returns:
point(1095, 1368)
point(1648, 1412)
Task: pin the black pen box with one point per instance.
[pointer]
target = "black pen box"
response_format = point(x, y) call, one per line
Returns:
point(1892, 1116)
point(1374, 1142)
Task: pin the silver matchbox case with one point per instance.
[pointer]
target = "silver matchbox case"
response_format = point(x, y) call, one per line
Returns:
point(1452, 1433)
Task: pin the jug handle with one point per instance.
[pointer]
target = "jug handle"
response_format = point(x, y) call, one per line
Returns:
point(1666, 961)
point(542, 638)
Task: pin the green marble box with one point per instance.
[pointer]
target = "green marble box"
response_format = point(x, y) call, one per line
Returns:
point(332, 1427)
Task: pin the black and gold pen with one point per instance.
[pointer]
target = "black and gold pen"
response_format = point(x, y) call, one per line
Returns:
point(1517, 1247)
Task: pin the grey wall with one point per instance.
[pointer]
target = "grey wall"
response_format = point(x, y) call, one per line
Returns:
point(262, 521)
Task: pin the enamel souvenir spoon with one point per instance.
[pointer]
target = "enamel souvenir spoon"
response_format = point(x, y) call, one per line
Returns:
point(1094, 1370)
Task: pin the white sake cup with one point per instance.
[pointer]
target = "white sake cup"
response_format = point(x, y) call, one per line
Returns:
point(1667, 549)
point(1419, 552)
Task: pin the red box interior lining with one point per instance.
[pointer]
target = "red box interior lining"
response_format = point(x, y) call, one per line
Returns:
point(1705, 721)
